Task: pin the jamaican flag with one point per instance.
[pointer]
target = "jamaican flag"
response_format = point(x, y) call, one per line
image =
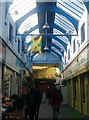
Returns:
point(36, 44)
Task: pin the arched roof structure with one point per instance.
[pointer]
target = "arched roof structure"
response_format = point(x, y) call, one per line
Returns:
point(62, 17)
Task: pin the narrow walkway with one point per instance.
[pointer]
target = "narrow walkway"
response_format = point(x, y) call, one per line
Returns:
point(65, 112)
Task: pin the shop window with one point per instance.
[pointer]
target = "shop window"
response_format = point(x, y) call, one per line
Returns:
point(10, 33)
point(83, 33)
point(74, 46)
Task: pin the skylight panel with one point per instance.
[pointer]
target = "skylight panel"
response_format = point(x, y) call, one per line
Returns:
point(28, 39)
point(58, 44)
point(70, 7)
point(79, 3)
point(35, 31)
point(20, 7)
point(57, 31)
point(77, 6)
point(63, 18)
point(27, 28)
point(30, 22)
point(60, 25)
point(66, 10)
point(54, 54)
point(64, 24)
point(56, 50)
point(63, 38)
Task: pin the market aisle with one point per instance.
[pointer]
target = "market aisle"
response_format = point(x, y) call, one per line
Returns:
point(65, 112)
point(45, 110)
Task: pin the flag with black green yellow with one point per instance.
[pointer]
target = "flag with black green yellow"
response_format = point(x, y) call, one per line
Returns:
point(36, 44)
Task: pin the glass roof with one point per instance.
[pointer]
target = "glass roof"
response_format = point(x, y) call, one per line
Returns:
point(28, 38)
point(74, 8)
point(63, 38)
point(56, 50)
point(58, 44)
point(63, 22)
point(19, 8)
point(30, 22)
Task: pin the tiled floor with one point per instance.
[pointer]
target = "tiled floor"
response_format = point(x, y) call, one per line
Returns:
point(65, 112)
point(46, 111)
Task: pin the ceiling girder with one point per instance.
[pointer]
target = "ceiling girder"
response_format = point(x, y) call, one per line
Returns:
point(50, 8)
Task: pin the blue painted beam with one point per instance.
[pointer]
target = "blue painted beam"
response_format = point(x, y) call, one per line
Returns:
point(50, 44)
point(58, 55)
point(53, 26)
point(8, 3)
point(87, 5)
point(64, 45)
point(51, 8)
point(32, 29)
point(70, 18)
point(48, 34)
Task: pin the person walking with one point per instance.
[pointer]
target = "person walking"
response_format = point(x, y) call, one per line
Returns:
point(31, 103)
point(38, 102)
point(60, 99)
point(56, 100)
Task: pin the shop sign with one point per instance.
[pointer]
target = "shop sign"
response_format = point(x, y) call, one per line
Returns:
point(77, 64)
point(10, 58)
point(18, 65)
point(13, 61)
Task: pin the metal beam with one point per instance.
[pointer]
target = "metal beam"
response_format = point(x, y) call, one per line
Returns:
point(49, 34)
point(52, 9)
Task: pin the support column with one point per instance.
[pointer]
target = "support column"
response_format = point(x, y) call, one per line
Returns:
point(72, 100)
point(79, 99)
point(4, 78)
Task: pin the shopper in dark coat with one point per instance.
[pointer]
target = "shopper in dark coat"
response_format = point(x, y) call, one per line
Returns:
point(38, 102)
point(56, 100)
point(31, 103)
